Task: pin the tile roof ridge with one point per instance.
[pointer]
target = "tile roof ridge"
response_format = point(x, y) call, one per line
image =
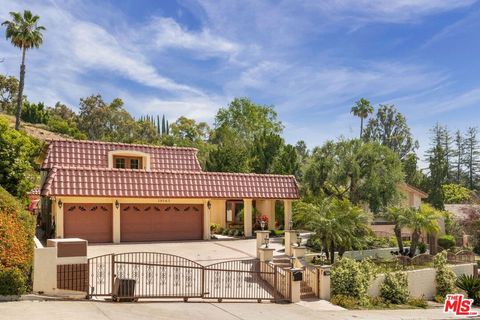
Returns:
point(123, 144)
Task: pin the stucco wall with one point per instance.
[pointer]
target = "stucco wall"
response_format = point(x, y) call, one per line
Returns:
point(267, 208)
point(420, 282)
point(218, 212)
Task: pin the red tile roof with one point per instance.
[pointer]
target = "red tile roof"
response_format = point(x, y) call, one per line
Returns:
point(81, 181)
point(82, 153)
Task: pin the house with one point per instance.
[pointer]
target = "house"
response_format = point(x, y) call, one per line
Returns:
point(117, 192)
point(412, 198)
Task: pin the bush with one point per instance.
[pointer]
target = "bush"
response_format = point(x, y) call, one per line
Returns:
point(344, 301)
point(455, 193)
point(471, 285)
point(276, 233)
point(351, 278)
point(231, 232)
point(69, 128)
point(444, 277)
point(422, 247)
point(446, 241)
point(12, 281)
point(214, 227)
point(394, 288)
point(225, 231)
point(418, 302)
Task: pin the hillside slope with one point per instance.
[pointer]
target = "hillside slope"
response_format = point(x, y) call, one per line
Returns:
point(35, 130)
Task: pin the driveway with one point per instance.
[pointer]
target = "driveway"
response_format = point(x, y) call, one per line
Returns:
point(203, 252)
point(73, 310)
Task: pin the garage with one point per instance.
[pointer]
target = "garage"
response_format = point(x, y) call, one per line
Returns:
point(155, 222)
point(91, 221)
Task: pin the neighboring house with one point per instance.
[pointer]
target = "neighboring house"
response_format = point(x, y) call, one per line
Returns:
point(116, 192)
point(411, 197)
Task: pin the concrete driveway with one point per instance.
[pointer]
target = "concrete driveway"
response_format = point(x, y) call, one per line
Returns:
point(80, 310)
point(203, 252)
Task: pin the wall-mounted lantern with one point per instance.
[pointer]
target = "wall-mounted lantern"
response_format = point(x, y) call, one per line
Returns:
point(60, 203)
point(117, 204)
point(209, 205)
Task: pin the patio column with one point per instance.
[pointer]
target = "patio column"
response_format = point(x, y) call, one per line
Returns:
point(116, 222)
point(206, 220)
point(247, 217)
point(58, 219)
point(287, 209)
point(267, 208)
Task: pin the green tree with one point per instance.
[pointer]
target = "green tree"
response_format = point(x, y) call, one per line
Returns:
point(34, 113)
point(264, 150)
point(286, 161)
point(420, 220)
point(24, 33)
point(248, 119)
point(363, 172)
point(106, 121)
point(362, 109)
point(412, 175)
point(471, 160)
point(455, 193)
point(17, 158)
point(395, 215)
point(62, 111)
point(8, 93)
point(458, 156)
point(389, 127)
point(438, 177)
point(336, 222)
point(229, 154)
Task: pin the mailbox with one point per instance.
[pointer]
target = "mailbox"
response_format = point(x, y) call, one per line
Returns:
point(297, 275)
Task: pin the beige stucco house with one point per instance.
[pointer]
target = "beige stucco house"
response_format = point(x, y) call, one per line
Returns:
point(116, 192)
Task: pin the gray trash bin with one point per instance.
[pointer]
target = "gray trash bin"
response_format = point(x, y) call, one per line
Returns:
point(124, 290)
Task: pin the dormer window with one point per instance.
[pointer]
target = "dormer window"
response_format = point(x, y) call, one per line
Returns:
point(126, 162)
point(128, 159)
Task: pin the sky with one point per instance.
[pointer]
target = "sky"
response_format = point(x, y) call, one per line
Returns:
point(311, 60)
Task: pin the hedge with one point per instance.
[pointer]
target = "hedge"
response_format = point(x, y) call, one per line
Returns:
point(17, 228)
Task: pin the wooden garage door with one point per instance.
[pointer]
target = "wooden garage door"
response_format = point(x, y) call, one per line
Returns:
point(154, 222)
point(90, 221)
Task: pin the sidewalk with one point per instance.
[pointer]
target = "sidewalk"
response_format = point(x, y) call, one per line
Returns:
point(80, 310)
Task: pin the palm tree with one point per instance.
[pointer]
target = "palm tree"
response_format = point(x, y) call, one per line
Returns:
point(362, 109)
point(396, 216)
point(24, 33)
point(418, 220)
point(337, 223)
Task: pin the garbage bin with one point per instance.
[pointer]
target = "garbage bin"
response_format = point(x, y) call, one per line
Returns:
point(124, 290)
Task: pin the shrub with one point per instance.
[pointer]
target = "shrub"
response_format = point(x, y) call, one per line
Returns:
point(455, 193)
point(446, 241)
point(12, 281)
point(394, 288)
point(231, 232)
point(422, 247)
point(418, 302)
point(444, 277)
point(214, 227)
point(225, 231)
point(351, 278)
point(344, 301)
point(237, 232)
point(471, 285)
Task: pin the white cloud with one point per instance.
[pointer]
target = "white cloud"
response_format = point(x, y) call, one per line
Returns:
point(170, 34)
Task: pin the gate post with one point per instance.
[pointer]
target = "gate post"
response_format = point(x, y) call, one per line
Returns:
point(112, 274)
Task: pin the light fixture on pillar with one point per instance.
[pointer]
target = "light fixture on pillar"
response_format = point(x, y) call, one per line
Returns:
point(262, 224)
point(266, 241)
point(60, 203)
point(117, 204)
point(209, 205)
point(290, 224)
point(299, 240)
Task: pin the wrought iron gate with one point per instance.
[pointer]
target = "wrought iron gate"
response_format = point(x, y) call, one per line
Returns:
point(159, 275)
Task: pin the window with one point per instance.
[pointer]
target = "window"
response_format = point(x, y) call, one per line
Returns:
point(120, 163)
point(134, 164)
point(123, 162)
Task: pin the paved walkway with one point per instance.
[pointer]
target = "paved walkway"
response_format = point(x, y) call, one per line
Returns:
point(203, 252)
point(80, 310)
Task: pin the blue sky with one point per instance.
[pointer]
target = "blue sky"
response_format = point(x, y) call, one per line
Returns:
point(310, 59)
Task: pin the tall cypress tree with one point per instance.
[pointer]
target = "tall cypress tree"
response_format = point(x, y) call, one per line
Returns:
point(472, 156)
point(438, 176)
point(158, 124)
point(164, 130)
point(168, 128)
point(458, 157)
